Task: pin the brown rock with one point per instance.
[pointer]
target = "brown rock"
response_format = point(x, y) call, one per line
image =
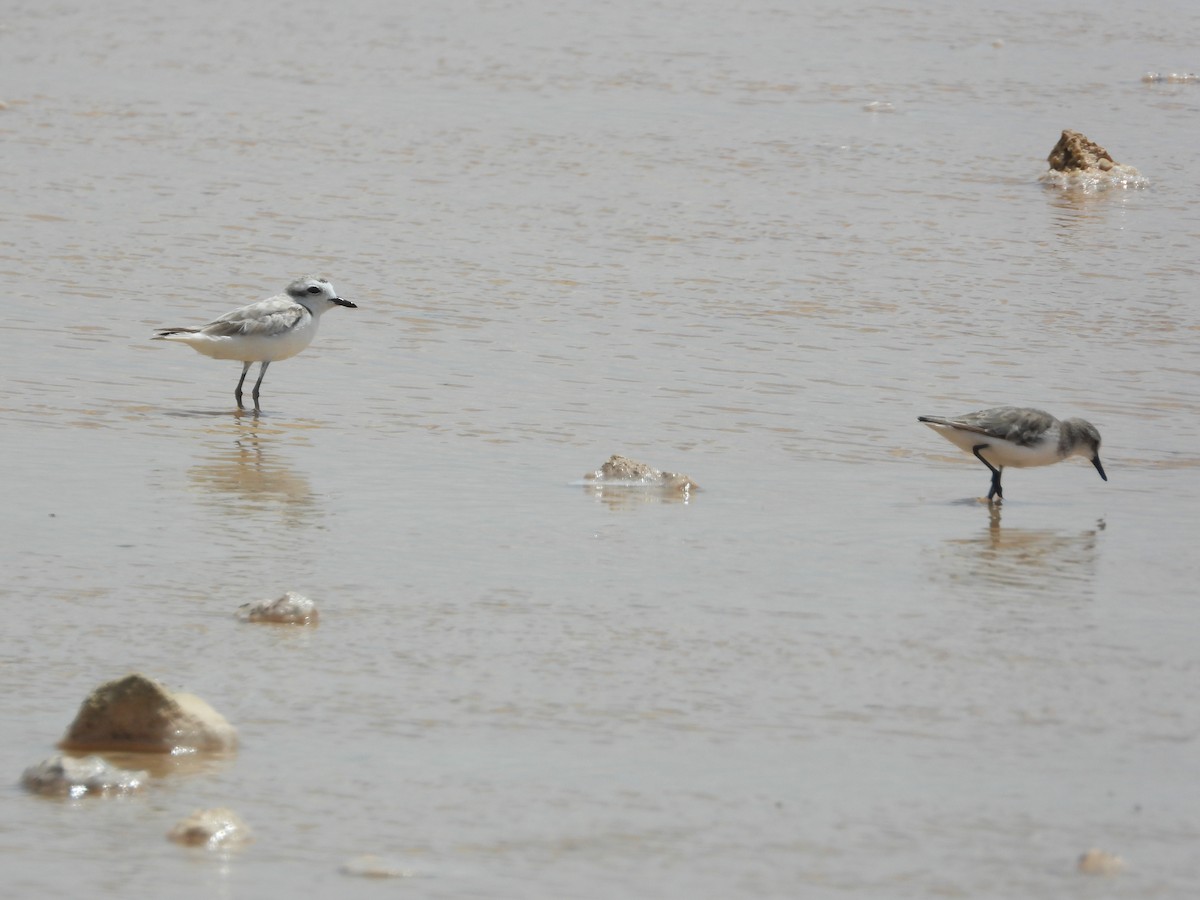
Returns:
point(137, 713)
point(1074, 151)
point(1077, 163)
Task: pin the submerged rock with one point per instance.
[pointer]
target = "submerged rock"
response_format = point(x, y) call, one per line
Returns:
point(290, 609)
point(70, 776)
point(1078, 161)
point(1171, 78)
point(217, 828)
point(137, 713)
point(1100, 862)
point(371, 866)
point(620, 471)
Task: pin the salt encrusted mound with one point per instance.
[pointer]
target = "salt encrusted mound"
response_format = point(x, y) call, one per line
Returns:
point(137, 713)
point(620, 471)
point(217, 828)
point(1077, 161)
point(69, 776)
point(290, 609)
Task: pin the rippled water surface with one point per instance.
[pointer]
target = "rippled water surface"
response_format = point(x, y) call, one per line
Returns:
point(748, 242)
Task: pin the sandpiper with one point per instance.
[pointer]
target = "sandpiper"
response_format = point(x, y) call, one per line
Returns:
point(1019, 437)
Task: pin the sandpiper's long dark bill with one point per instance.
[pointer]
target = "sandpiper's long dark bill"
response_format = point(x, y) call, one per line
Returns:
point(1019, 437)
point(263, 332)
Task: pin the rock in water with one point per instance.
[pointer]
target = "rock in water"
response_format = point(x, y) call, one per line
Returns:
point(370, 866)
point(218, 828)
point(137, 713)
point(1155, 78)
point(290, 609)
point(69, 776)
point(1075, 151)
point(621, 471)
point(1077, 161)
point(1100, 862)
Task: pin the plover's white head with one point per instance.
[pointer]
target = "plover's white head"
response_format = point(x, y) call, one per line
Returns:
point(316, 293)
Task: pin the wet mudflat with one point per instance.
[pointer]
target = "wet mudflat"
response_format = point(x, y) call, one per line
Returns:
point(675, 234)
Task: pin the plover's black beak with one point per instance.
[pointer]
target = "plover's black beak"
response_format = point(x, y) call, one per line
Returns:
point(350, 303)
point(1099, 468)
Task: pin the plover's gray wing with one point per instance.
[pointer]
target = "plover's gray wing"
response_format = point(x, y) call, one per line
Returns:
point(263, 319)
point(1020, 425)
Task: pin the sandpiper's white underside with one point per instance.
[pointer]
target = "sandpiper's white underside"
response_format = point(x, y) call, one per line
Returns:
point(1001, 452)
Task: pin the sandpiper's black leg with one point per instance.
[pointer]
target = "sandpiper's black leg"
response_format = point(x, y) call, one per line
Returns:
point(261, 372)
point(238, 392)
point(995, 491)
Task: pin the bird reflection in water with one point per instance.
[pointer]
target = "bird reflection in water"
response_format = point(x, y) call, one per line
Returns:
point(253, 471)
point(1041, 562)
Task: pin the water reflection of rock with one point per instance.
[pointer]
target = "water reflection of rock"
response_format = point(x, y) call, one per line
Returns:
point(1032, 561)
point(623, 497)
point(252, 470)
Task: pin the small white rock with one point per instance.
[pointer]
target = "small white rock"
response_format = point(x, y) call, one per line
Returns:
point(1171, 78)
point(74, 776)
point(290, 609)
point(621, 471)
point(370, 866)
point(217, 828)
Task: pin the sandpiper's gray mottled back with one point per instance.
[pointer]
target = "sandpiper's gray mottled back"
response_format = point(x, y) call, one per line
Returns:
point(1018, 436)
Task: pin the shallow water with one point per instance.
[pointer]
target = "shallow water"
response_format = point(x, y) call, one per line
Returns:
point(673, 231)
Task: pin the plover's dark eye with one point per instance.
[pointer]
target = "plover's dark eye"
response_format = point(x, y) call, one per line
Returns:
point(314, 290)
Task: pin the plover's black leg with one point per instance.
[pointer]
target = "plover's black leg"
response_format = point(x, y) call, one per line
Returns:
point(238, 391)
point(261, 372)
